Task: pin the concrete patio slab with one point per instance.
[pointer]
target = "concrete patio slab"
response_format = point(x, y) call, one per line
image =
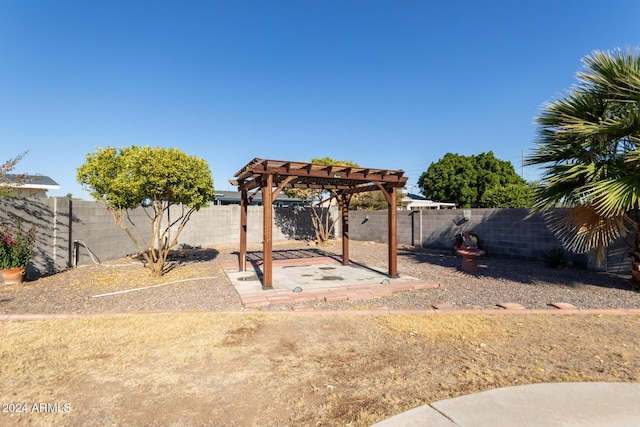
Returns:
point(316, 278)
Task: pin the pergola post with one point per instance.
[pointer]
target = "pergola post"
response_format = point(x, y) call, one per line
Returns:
point(242, 260)
point(343, 202)
point(393, 235)
point(267, 224)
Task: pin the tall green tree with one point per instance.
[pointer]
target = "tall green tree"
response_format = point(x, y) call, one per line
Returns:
point(478, 181)
point(588, 145)
point(122, 178)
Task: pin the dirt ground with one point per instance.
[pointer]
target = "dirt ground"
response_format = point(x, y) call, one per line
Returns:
point(218, 364)
point(291, 370)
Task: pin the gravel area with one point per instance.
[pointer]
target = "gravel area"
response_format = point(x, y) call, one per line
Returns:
point(499, 280)
point(198, 283)
point(195, 283)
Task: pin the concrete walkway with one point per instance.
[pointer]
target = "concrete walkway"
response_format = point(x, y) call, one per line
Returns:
point(548, 405)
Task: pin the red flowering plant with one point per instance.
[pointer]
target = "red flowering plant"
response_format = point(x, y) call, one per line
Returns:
point(16, 245)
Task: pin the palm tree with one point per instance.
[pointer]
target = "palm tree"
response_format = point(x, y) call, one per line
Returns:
point(589, 147)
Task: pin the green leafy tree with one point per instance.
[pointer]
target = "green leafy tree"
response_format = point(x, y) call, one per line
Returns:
point(371, 201)
point(122, 178)
point(479, 181)
point(450, 179)
point(319, 201)
point(588, 144)
point(508, 196)
point(8, 180)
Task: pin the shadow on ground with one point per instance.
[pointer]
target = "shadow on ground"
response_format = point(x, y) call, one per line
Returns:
point(184, 255)
point(258, 257)
point(521, 271)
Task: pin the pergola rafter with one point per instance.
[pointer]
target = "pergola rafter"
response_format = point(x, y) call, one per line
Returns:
point(272, 176)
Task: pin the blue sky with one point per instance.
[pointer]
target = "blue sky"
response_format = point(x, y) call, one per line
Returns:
point(385, 84)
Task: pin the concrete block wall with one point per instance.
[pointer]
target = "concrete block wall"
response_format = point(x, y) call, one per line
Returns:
point(96, 231)
point(61, 225)
point(215, 224)
point(617, 259)
point(368, 226)
point(511, 232)
point(71, 232)
point(437, 228)
point(51, 219)
point(293, 223)
point(374, 226)
point(221, 224)
point(97, 238)
point(517, 233)
point(406, 228)
point(61, 222)
point(503, 232)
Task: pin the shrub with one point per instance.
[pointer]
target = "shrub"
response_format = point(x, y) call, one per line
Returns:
point(555, 258)
point(16, 246)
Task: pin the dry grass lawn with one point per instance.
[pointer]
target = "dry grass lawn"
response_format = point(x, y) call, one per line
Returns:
point(291, 370)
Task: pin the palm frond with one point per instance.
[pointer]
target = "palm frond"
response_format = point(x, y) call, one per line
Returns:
point(612, 197)
point(615, 72)
point(583, 229)
point(589, 147)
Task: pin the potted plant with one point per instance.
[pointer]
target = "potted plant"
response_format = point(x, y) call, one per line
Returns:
point(16, 250)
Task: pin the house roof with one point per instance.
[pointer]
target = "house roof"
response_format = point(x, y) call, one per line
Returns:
point(234, 196)
point(416, 201)
point(33, 181)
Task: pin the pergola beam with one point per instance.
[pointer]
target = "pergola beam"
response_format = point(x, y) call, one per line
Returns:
point(260, 166)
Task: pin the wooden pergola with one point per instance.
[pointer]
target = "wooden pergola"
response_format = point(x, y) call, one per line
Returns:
point(269, 177)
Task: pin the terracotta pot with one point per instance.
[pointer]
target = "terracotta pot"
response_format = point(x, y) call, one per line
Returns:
point(13, 276)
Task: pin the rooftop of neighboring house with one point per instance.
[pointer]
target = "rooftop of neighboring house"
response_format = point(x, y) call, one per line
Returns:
point(35, 181)
point(33, 185)
point(415, 201)
point(233, 198)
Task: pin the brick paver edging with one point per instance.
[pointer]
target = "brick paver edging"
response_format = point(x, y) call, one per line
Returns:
point(370, 312)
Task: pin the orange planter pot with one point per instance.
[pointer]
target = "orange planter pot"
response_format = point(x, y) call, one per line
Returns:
point(13, 276)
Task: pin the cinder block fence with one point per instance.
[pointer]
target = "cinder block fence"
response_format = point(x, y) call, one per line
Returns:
point(82, 232)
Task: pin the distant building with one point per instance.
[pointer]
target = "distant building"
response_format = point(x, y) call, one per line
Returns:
point(416, 202)
point(33, 185)
point(233, 198)
point(409, 201)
